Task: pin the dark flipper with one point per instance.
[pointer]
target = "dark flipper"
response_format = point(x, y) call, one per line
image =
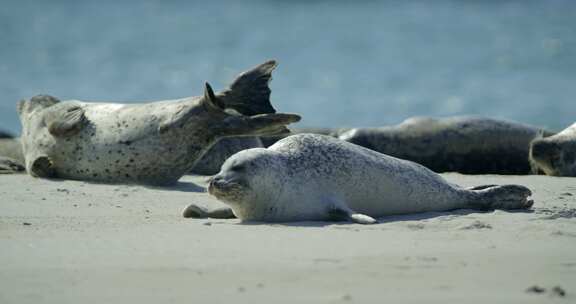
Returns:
point(65, 120)
point(249, 94)
point(194, 211)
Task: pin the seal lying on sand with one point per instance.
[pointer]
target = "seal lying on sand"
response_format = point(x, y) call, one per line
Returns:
point(556, 155)
point(316, 177)
point(154, 143)
point(212, 160)
point(471, 145)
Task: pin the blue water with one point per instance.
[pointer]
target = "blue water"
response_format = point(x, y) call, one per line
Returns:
point(342, 63)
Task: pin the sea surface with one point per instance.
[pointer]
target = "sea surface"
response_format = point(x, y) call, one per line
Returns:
point(341, 63)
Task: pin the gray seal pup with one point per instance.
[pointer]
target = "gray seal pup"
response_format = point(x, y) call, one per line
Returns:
point(556, 155)
point(212, 160)
point(465, 144)
point(311, 177)
point(151, 143)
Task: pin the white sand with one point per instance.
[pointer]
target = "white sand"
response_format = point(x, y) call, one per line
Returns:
point(93, 243)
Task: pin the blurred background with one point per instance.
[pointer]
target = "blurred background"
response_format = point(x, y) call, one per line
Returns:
point(342, 63)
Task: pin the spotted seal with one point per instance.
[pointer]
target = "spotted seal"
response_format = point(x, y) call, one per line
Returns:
point(315, 177)
point(152, 143)
point(556, 155)
point(465, 144)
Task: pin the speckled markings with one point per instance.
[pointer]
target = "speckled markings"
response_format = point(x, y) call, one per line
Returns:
point(316, 177)
point(153, 143)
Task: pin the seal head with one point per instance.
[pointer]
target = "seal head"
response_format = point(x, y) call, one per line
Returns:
point(555, 155)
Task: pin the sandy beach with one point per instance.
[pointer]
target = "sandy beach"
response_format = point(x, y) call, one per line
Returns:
point(77, 242)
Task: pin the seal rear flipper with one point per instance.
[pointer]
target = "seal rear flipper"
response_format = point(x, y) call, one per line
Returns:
point(65, 120)
point(249, 94)
point(505, 197)
point(346, 214)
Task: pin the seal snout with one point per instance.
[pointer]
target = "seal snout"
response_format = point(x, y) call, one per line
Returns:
point(213, 183)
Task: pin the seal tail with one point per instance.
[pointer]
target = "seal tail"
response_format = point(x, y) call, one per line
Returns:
point(249, 94)
point(505, 197)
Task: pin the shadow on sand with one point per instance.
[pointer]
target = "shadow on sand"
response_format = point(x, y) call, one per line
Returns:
point(180, 186)
point(449, 215)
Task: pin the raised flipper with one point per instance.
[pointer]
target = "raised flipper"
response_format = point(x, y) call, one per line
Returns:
point(345, 214)
point(42, 167)
point(194, 211)
point(65, 119)
point(10, 166)
point(249, 94)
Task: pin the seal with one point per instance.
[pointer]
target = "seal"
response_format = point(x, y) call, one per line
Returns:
point(315, 177)
point(152, 143)
point(465, 144)
point(212, 160)
point(555, 155)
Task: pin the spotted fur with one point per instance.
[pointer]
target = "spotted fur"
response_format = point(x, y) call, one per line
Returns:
point(317, 177)
point(152, 143)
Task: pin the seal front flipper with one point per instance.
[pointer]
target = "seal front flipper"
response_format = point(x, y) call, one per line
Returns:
point(194, 211)
point(249, 94)
point(346, 214)
point(65, 119)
